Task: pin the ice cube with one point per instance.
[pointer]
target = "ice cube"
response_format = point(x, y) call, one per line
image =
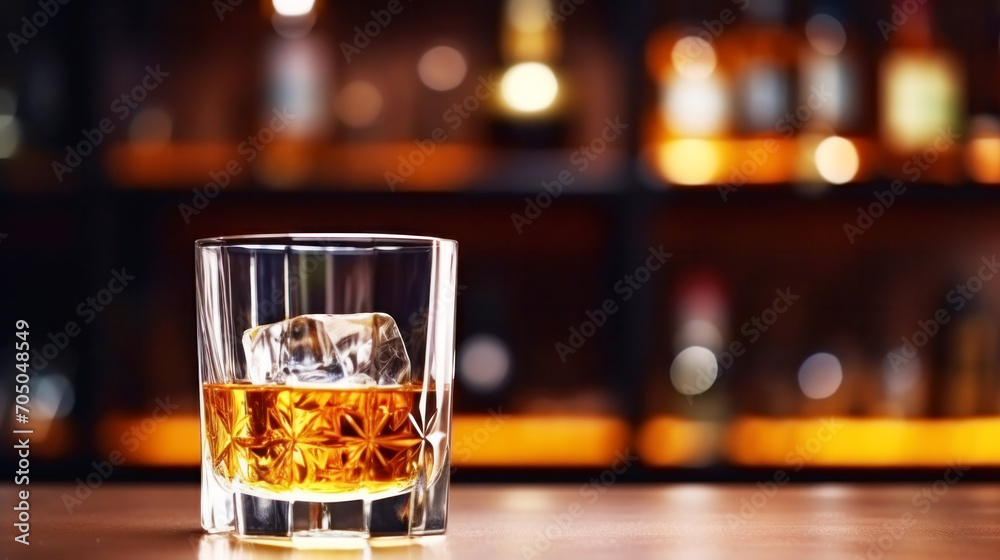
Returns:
point(359, 349)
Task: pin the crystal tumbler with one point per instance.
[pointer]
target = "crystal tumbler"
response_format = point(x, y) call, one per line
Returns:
point(326, 363)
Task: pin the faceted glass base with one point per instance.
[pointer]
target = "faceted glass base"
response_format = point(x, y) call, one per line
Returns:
point(417, 512)
point(226, 547)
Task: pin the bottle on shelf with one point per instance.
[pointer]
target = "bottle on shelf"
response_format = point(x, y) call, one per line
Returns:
point(921, 91)
point(982, 156)
point(983, 149)
point(763, 53)
point(692, 112)
point(532, 96)
point(828, 101)
point(970, 364)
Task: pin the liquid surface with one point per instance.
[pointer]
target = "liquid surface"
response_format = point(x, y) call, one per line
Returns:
point(315, 440)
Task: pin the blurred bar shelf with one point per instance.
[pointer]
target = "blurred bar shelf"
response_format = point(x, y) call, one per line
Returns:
point(678, 163)
point(783, 163)
point(143, 441)
point(670, 441)
point(538, 441)
point(358, 167)
point(838, 442)
point(863, 442)
point(477, 440)
point(592, 441)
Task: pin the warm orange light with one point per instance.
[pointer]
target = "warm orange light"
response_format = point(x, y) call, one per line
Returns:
point(734, 163)
point(868, 442)
point(984, 159)
point(667, 441)
point(689, 162)
point(359, 104)
point(527, 33)
point(983, 151)
point(144, 165)
point(173, 441)
point(543, 441)
point(482, 441)
point(528, 16)
point(363, 165)
point(693, 58)
point(449, 167)
point(659, 54)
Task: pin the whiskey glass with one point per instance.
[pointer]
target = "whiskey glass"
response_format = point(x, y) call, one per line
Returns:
point(326, 363)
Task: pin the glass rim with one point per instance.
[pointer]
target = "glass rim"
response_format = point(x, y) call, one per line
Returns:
point(374, 240)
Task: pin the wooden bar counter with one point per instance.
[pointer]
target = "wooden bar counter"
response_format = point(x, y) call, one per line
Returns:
point(819, 521)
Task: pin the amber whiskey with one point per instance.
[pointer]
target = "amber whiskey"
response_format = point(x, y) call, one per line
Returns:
point(314, 440)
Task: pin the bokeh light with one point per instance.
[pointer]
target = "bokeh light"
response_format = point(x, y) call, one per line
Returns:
point(151, 125)
point(442, 68)
point(529, 87)
point(826, 34)
point(693, 58)
point(688, 162)
point(359, 104)
point(483, 363)
point(820, 375)
point(54, 396)
point(694, 370)
point(837, 160)
point(695, 107)
point(293, 8)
